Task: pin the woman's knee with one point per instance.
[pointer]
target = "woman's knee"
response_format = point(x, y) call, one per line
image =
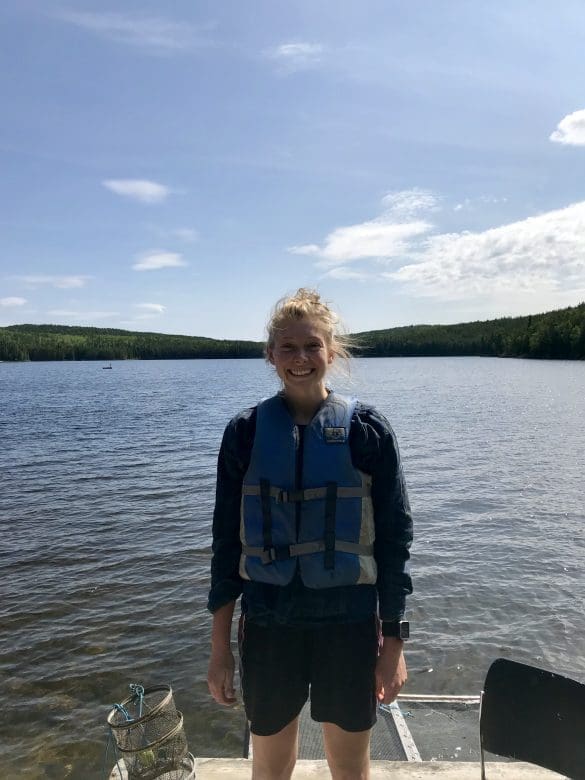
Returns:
point(272, 770)
point(348, 753)
point(274, 757)
point(349, 770)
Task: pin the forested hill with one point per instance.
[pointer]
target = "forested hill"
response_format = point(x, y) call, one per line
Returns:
point(555, 335)
point(62, 342)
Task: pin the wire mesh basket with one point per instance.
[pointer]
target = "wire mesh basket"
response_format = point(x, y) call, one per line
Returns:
point(185, 771)
point(157, 758)
point(148, 733)
point(141, 720)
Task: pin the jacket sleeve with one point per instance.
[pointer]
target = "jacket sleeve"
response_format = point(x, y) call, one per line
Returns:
point(226, 583)
point(392, 516)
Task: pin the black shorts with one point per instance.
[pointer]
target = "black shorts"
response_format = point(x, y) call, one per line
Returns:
point(337, 661)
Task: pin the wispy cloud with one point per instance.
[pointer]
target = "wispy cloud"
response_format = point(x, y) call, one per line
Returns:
point(141, 190)
point(150, 309)
point(344, 273)
point(570, 130)
point(479, 202)
point(12, 302)
point(296, 56)
point(408, 203)
point(387, 236)
point(152, 261)
point(60, 282)
point(155, 34)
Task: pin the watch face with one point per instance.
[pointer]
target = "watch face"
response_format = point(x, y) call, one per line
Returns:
point(404, 627)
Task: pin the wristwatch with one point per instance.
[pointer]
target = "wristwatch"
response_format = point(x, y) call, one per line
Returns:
point(399, 629)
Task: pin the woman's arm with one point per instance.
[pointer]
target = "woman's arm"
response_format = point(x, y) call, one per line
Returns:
point(379, 456)
point(226, 583)
point(391, 671)
point(220, 674)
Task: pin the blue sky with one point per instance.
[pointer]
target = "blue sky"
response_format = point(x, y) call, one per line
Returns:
point(178, 167)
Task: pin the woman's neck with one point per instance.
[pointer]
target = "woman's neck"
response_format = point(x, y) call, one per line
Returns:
point(303, 408)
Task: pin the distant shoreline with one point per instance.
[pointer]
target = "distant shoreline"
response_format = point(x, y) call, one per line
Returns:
point(555, 335)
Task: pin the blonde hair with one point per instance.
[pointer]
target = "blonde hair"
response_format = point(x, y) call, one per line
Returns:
point(307, 304)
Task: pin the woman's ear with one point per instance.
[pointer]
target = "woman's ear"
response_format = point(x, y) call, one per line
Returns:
point(270, 355)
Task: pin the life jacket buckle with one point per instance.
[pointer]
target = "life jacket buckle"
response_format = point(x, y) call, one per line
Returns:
point(289, 496)
point(280, 553)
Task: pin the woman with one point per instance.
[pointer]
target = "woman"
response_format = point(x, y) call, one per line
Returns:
point(312, 526)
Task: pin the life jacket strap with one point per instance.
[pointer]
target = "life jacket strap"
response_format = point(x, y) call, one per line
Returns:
point(264, 490)
point(286, 551)
point(308, 494)
point(330, 508)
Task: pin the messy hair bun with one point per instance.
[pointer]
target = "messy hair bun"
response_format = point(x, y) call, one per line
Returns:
point(307, 304)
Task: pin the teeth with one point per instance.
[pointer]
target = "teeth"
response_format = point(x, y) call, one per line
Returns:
point(300, 372)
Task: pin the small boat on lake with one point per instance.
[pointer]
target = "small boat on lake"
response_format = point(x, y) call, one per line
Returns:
point(107, 367)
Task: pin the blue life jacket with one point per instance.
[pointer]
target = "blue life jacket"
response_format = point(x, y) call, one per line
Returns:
point(322, 518)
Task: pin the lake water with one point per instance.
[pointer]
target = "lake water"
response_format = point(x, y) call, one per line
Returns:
point(106, 496)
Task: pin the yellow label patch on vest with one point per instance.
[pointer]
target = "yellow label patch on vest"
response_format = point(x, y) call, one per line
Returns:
point(334, 435)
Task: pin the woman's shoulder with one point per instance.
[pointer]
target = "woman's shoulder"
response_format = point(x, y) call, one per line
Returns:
point(369, 415)
point(242, 422)
point(372, 440)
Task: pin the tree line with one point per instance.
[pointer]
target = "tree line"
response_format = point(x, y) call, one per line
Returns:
point(62, 342)
point(554, 335)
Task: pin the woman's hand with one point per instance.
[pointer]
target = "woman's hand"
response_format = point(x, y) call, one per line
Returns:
point(390, 670)
point(220, 676)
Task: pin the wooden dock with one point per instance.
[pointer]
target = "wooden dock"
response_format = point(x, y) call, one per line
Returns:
point(240, 769)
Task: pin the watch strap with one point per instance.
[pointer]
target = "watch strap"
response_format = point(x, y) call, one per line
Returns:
point(399, 629)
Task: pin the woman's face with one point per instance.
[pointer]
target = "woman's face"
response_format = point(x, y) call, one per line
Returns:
point(301, 355)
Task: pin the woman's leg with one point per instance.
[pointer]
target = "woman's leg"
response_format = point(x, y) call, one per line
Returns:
point(274, 757)
point(347, 752)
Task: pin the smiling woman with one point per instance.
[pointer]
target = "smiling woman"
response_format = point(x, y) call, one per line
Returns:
point(307, 480)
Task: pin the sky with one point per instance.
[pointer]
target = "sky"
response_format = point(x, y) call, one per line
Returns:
point(178, 167)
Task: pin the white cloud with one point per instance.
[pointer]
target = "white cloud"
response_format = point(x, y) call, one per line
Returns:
point(542, 253)
point(384, 238)
point(541, 256)
point(11, 302)
point(296, 56)
point(570, 130)
point(138, 189)
point(304, 249)
point(376, 239)
point(154, 33)
point(151, 308)
point(408, 203)
point(61, 282)
point(152, 261)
